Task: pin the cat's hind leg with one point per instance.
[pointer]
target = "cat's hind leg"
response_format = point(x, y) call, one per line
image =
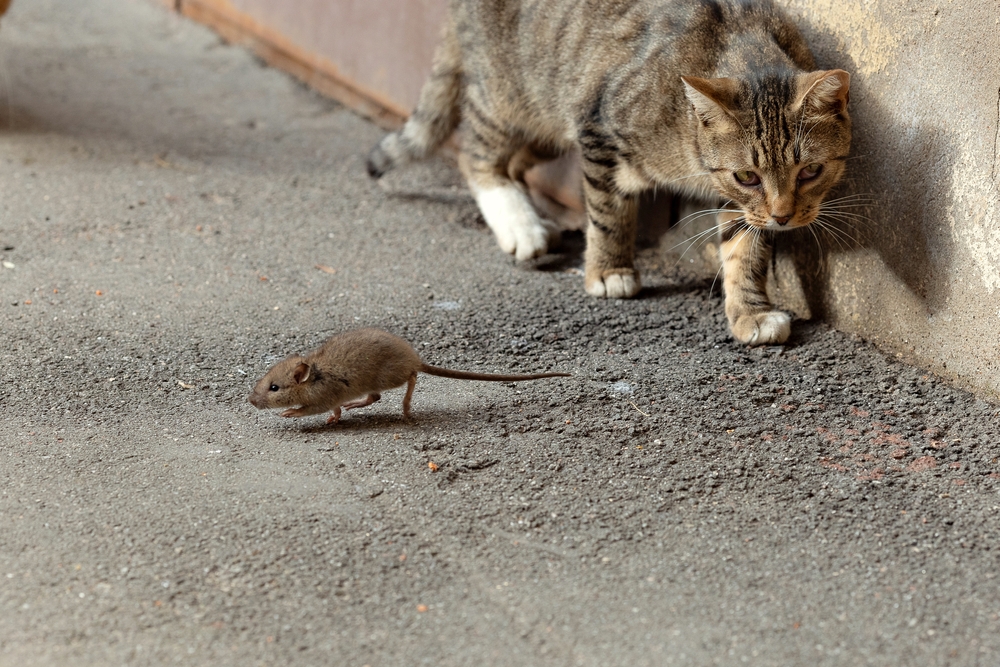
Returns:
point(745, 252)
point(487, 151)
point(437, 114)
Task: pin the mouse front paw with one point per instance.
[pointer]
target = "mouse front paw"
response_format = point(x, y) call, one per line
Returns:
point(293, 412)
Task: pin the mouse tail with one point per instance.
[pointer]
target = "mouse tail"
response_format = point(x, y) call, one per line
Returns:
point(486, 377)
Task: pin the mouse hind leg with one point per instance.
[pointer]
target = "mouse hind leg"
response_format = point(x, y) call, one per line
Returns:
point(410, 384)
point(362, 403)
point(335, 417)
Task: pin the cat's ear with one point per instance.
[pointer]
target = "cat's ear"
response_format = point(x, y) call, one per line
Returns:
point(713, 99)
point(824, 92)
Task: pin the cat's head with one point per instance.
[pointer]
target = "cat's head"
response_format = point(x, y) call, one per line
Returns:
point(774, 145)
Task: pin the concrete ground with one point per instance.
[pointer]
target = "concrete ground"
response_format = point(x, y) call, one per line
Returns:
point(681, 500)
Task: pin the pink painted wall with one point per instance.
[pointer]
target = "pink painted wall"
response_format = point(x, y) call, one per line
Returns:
point(385, 45)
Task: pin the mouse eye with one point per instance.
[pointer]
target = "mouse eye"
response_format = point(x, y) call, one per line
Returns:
point(273, 387)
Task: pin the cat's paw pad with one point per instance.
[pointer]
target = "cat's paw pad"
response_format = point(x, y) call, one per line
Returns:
point(613, 284)
point(770, 328)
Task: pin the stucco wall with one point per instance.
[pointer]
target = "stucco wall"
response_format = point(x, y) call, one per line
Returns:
point(925, 99)
point(920, 274)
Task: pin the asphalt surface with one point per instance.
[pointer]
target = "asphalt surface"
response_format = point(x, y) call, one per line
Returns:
point(681, 500)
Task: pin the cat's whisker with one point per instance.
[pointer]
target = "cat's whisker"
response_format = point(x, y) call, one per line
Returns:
point(858, 196)
point(849, 218)
point(819, 243)
point(840, 234)
point(700, 236)
point(844, 241)
point(720, 225)
point(847, 223)
point(863, 196)
point(846, 208)
point(703, 237)
point(688, 219)
point(847, 215)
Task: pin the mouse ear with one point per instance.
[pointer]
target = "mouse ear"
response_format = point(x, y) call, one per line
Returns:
point(301, 373)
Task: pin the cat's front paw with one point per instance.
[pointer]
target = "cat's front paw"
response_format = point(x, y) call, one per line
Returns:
point(768, 328)
point(612, 283)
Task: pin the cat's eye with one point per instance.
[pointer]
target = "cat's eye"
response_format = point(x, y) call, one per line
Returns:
point(810, 171)
point(747, 178)
point(274, 387)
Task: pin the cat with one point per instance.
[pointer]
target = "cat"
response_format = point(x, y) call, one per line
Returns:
point(715, 99)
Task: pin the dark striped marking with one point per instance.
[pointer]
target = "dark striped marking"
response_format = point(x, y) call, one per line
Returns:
point(601, 228)
point(480, 116)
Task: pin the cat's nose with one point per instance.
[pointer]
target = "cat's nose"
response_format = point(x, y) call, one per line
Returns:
point(782, 220)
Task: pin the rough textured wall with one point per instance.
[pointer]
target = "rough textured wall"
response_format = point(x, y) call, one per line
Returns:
point(925, 98)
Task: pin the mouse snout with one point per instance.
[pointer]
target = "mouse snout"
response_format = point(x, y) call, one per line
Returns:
point(255, 400)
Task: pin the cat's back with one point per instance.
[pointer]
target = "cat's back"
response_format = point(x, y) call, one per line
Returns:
point(576, 32)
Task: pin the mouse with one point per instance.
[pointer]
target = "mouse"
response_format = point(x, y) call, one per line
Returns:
point(351, 370)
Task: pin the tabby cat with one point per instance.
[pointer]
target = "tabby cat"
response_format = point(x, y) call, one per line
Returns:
point(710, 98)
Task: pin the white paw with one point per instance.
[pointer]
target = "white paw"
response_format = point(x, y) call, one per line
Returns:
point(614, 286)
point(769, 328)
point(518, 228)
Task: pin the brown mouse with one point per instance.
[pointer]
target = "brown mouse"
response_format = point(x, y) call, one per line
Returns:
point(350, 371)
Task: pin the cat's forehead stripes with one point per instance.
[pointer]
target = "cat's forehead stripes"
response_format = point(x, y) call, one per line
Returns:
point(769, 130)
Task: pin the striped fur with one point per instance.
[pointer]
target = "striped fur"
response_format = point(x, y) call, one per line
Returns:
point(688, 95)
